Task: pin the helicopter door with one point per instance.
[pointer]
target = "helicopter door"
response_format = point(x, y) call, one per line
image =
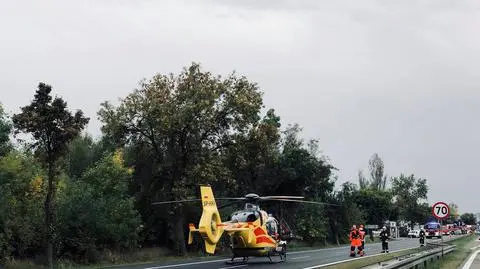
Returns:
point(272, 226)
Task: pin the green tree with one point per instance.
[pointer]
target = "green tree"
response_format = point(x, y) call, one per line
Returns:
point(349, 213)
point(301, 170)
point(187, 122)
point(21, 214)
point(82, 153)
point(52, 127)
point(378, 179)
point(421, 212)
point(311, 224)
point(5, 129)
point(363, 182)
point(468, 218)
point(409, 192)
point(253, 159)
point(96, 212)
point(454, 213)
point(377, 203)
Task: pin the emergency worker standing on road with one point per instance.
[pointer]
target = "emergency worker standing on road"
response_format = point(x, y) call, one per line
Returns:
point(362, 236)
point(384, 236)
point(421, 235)
point(355, 242)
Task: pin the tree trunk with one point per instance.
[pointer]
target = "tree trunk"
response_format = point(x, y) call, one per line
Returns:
point(50, 213)
point(334, 228)
point(180, 233)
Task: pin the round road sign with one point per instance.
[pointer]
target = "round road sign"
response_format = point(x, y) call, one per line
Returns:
point(441, 210)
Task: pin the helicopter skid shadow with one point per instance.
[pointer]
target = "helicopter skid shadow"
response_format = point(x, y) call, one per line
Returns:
point(256, 261)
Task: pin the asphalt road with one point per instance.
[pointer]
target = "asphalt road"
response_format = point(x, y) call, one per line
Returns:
point(297, 260)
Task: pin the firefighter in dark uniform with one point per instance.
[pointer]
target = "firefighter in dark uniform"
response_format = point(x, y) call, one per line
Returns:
point(384, 236)
point(421, 235)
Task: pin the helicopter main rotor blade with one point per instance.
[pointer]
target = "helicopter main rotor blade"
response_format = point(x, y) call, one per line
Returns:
point(281, 197)
point(177, 201)
point(306, 202)
point(195, 200)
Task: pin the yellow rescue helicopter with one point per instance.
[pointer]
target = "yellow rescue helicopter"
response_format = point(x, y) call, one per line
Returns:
point(253, 232)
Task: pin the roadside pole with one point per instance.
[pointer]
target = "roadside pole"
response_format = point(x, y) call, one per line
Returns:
point(441, 211)
point(441, 225)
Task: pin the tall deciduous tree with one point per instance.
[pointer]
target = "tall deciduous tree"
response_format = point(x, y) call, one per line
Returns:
point(52, 127)
point(409, 193)
point(377, 172)
point(253, 159)
point(302, 171)
point(377, 203)
point(362, 180)
point(349, 213)
point(187, 122)
point(378, 179)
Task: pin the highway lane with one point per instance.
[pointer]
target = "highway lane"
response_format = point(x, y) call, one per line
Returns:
point(299, 259)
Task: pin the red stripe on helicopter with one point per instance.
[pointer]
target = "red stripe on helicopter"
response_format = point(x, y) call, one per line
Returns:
point(259, 231)
point(264, 239)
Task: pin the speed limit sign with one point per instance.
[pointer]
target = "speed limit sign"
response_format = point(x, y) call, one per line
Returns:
point(441, 210)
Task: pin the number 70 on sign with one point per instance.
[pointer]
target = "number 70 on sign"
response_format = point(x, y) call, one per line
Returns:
point(441, 210)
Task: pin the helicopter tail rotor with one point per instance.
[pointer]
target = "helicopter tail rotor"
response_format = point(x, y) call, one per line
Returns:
point(210, 227)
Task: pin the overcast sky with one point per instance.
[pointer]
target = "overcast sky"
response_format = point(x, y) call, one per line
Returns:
point(400, 78)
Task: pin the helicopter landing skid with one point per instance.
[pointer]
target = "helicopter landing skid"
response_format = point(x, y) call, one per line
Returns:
point(283, 258)
point(232, 261)
point(282, 254)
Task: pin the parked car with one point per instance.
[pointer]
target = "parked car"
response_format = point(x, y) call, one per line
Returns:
point(414, 233)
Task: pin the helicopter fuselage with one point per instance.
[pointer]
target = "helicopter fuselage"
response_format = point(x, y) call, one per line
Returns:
point(260, 240)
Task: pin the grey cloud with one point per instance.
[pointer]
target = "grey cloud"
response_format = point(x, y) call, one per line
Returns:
point(395, 77)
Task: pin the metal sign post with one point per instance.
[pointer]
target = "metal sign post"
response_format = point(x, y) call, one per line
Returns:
point(441, 211)
point(441, 225)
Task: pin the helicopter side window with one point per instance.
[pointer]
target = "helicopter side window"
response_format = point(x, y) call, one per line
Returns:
point(245, 216)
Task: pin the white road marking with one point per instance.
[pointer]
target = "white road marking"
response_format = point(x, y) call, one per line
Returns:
point(301, 257)
point(234, 266)
point(348, 260)
point(185, 264)
point(289, 253)
point(470, 260)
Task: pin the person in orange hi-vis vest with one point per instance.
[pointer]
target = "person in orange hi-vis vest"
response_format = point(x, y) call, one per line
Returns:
point(355, 242)
point(362, 236)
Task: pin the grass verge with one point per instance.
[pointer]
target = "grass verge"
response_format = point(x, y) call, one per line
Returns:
point(359, 263)
point(455, 259)
point(461, 243)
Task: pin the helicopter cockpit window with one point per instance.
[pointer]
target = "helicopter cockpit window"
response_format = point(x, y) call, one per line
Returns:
point(245, 216)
